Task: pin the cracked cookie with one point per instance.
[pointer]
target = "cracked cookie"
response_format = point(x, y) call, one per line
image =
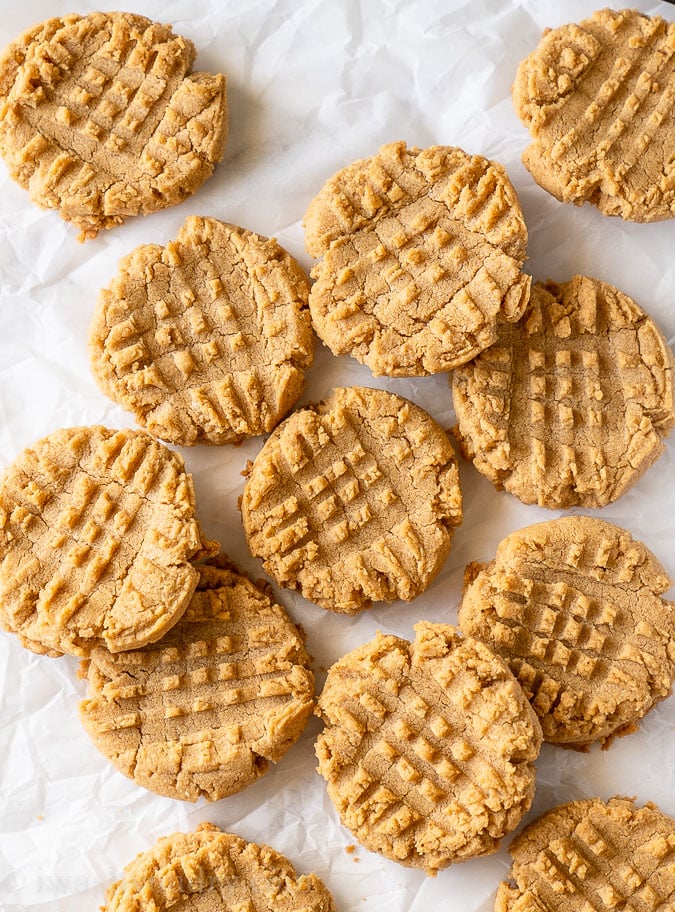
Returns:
point(354, 500)
point(597, 98)
point(204, 711)
point(101, 117)
point(205, 340)
point(422, 254)
point(592, 854)
point(571, 405)
point(429, 747)
point(97, 534)
point(208, 870)
point(574, 607)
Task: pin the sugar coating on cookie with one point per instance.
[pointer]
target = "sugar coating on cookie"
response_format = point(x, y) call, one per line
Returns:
point(574, 607)
point(204, 711)
point(422, 254)
point(97, 534)
point(101, 117)
point(428, 748)
point(209, 870)
point(572, 403)
point(354, 500)
point(598, 100)
point(205, 340)
point(592, 854)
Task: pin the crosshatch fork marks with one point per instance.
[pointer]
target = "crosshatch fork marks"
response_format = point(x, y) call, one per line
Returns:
point(572, 403)
point(102, 118)
point(205, 340)
point(574, 607)
point(598, 99)
point(593, 855)
point(354, 500)
point(97, 530)
point(428, 747)
point(422, 255)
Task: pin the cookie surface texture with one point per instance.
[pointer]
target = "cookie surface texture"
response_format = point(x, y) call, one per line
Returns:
point(204, 711)
point(101, 117)
point(598, 100)
point(205, 340)
point(428, 748)
point(592, 854)
point(208, 871)
point(422, 254)
point(97, 531)
point(354, 500)
point(573, 402)
point(574, 607)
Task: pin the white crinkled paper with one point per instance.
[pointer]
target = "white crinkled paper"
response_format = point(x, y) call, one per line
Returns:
point(313, 85)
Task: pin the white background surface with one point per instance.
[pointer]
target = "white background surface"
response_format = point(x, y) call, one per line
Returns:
point(313, 85)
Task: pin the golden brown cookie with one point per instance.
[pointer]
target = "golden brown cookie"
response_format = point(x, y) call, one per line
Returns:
point(97, 534)
point(211, 871)
point(572, 403)
point(574, 608)
point(204, 711)
point(428, 748)
point(422, 254)
point(205, 340)
point(598, 100)
point(354, 500)
point(101, 117)
point(594, 855)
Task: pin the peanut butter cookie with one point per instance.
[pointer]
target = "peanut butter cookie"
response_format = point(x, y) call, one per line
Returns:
point(97, 535)
point(422, 254)
point(101, 117)
point(574, 608)
point(572, 403)
point(598, 100)
point(428, 748)
point(354, 500)
point(205, 340)
point(593, 855)
point(210, 871)
point(203, 711)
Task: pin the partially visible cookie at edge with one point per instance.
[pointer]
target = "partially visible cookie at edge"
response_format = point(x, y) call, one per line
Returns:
point(354, 500)
point(205, 340)
point(208, 870)
point(592, 854)
point(574, 607)
point(573, 403)
point(204, 711)
point(98, 532)
point(429, 747)
point(101, 117)
point(422, 253)
point(597, 98)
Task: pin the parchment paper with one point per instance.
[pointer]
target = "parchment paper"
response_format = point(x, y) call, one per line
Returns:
point(313, 85)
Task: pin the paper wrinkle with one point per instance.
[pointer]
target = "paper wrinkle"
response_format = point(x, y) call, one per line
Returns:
point(312, 87)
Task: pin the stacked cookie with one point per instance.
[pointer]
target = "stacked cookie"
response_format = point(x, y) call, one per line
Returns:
point(563, 396)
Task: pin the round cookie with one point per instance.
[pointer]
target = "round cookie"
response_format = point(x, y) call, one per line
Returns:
point(429, 747)
point(592, 854)
point(101, 117)
point(597, 98)
point(573, 606)
point(97, 534)
point(571, 405)
point(205, 340)
point(422, 254)
point(208, 870)
point(203, 712)
point(354, 500)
